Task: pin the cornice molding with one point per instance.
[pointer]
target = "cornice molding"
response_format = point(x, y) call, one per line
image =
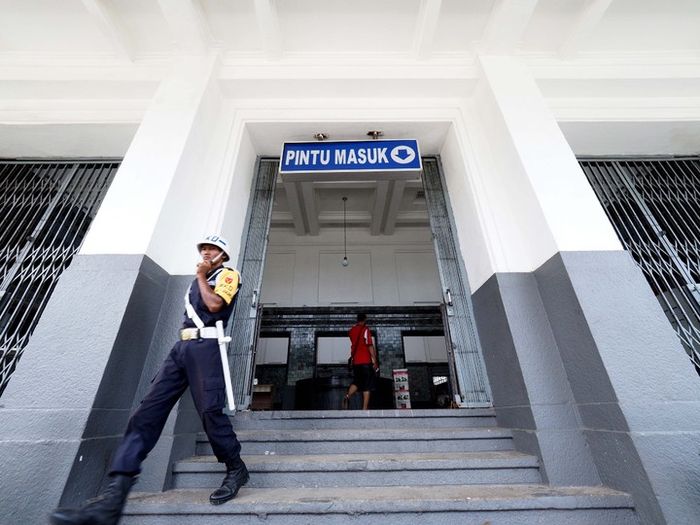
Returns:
point(321, 65)
point(680, 64)
point(17, 111)
point(629, 109)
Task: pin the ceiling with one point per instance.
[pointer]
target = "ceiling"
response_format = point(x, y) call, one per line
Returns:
point(137, 29)
point(379, 207)
point(68, 66)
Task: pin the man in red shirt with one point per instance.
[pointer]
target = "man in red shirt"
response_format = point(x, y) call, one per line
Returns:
point(364, 362)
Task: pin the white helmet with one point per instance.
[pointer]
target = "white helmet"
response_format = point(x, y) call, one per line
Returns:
point(218, 241)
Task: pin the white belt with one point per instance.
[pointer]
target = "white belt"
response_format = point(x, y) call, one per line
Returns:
point(208, 332)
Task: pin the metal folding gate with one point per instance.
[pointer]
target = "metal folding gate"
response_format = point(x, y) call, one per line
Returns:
point(244, 325)
point(654, 205)
point(464, 351)
point(45, 210)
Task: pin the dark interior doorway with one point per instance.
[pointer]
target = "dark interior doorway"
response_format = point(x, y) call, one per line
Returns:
point(308, 381)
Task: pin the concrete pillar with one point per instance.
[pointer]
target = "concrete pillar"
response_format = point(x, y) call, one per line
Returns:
point(165, 179)
point(540, 198)
point(115, 312)
point(596, 381)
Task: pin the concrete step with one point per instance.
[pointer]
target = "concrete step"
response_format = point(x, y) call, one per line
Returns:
point(425, 505)
point(328, 419)
point(348, 470)
point(369, 440)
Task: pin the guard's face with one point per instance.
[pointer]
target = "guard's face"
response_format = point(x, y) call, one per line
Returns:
point(209, 251)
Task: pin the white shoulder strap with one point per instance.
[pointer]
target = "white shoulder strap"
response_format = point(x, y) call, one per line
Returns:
point(191, 312)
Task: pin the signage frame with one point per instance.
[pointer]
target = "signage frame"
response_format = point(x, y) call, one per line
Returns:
point(365, 173)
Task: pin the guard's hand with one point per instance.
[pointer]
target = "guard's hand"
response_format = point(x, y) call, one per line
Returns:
point(203, 268)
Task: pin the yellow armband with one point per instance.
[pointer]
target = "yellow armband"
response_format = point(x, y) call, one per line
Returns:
point(227, 284)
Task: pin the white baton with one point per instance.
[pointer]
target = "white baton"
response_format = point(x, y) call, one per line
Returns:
point(223, 341)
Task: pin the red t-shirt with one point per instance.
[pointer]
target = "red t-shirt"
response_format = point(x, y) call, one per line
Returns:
point(360, 335)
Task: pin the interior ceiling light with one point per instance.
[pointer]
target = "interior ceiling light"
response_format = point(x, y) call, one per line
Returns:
point(345, 236)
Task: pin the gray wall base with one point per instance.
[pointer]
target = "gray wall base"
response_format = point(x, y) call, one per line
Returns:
point(586, 368)
point(530, 389)
point(97, 346)
point(637, 392)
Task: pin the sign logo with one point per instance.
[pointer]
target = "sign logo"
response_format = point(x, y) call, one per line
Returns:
point(401, 156)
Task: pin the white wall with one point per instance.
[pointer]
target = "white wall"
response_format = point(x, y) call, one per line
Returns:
point(161, 192)
point(384, 270)
point(238, 173)
point(425, 349)
point(66, 140)
point(470, 207)
point(332, 350)
point(633, 138)
point(272, 351)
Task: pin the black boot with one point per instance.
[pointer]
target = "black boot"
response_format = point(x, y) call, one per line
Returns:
point(105, 509)
point(236, 477)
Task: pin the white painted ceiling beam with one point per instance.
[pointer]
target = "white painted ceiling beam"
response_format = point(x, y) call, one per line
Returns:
point(309, 197)
point(293, 202)
point(350, 184)
point(506, 26)
point(426, 25)
point(392, 214)
point(268, 22)
point(111, 25)
point(356, 218)
point(362, 217)
point(379, 208)
point(587, 20)
point(412, 193)
point(188, 25)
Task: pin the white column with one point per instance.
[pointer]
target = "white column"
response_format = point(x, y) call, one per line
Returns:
point(538, 196)
point(169, 137)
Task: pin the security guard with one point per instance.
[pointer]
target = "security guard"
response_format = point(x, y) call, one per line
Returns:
point(194, 361)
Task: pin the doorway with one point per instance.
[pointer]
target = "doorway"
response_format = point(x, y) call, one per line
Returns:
point(403, 271)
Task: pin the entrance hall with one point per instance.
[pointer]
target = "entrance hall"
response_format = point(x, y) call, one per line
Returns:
point(310, 297)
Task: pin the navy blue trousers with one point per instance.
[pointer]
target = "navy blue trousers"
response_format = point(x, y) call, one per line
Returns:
point(196, 364)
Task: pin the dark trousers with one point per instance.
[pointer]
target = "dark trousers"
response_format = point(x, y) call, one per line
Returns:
point(196, 364)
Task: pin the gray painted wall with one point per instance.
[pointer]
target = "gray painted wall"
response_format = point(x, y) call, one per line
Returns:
point(103, 334)
point(531, 392)
point(635, 387)
point(584, 364)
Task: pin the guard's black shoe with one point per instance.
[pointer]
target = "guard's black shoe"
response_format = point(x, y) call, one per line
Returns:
point(105, 509)
point(236, 476)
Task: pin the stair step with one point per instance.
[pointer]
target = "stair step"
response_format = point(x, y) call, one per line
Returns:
point(321, 419)
point(342, 470)
point(427, 505)
point(371, 441)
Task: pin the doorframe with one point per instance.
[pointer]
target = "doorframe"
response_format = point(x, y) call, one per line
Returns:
point(468, 377)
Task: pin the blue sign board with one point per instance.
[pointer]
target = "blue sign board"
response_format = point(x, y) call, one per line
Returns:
point(351, 156)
